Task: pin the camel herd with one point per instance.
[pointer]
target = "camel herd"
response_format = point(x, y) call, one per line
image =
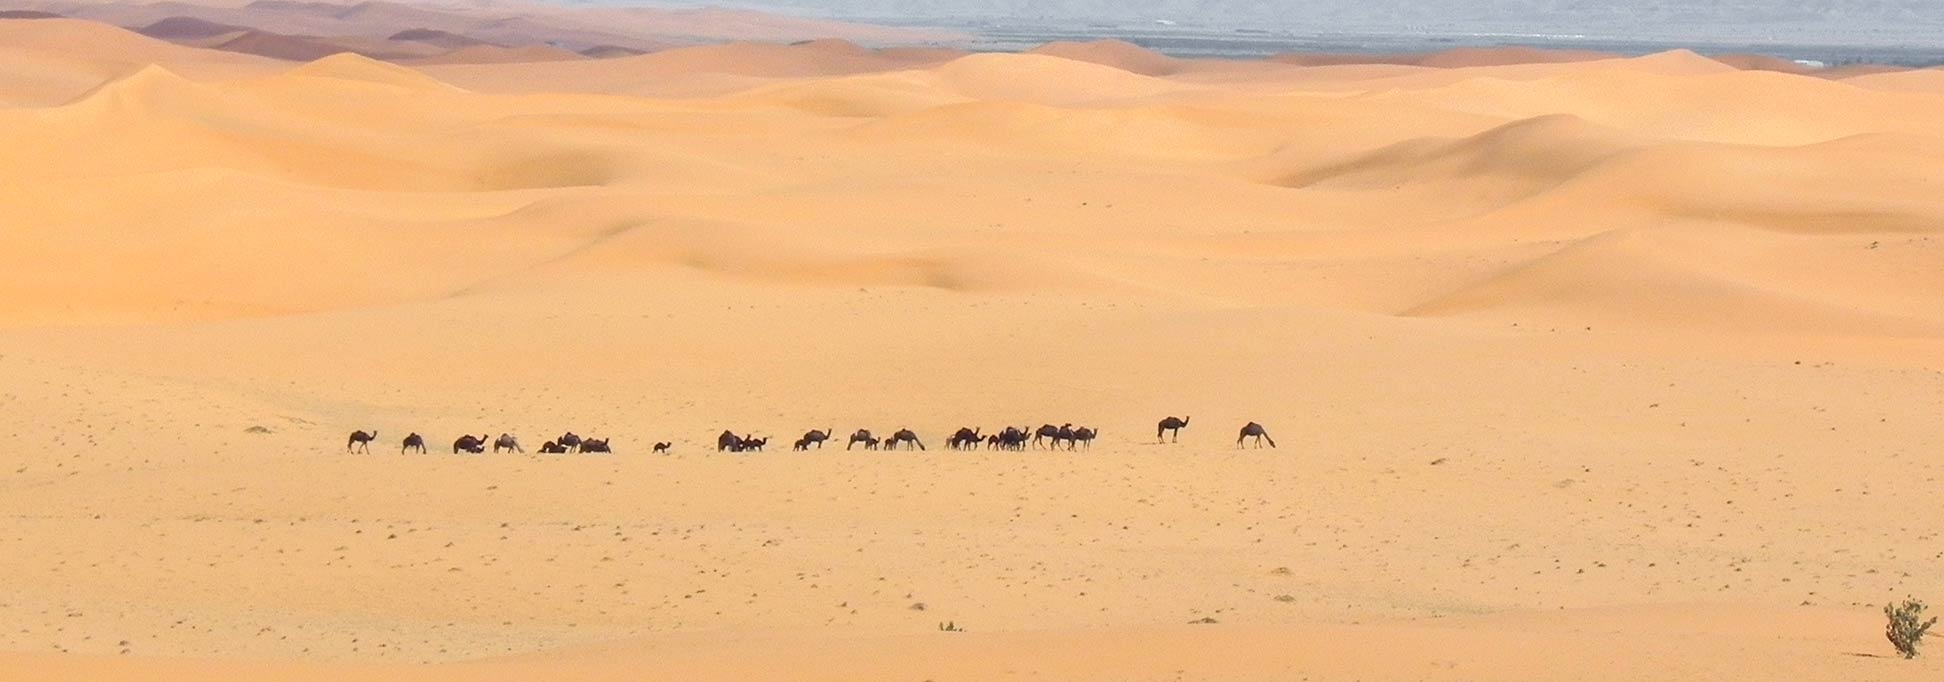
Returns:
point(1015, 438)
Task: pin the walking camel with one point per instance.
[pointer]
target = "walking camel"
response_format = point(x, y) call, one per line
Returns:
point(1255, 430)
point(1172, 425)
point(662, 448)
point(413, 442)
point(507, 442)
point(360, 441)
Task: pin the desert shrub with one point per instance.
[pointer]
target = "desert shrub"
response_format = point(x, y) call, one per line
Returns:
point(1907, 627)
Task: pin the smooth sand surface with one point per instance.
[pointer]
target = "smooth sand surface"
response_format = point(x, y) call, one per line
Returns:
point(1614, 369)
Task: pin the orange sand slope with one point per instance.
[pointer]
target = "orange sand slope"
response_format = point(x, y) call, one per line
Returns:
point(1603, 369)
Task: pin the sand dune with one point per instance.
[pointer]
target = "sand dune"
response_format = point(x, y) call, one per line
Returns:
point(493, 54)
point(1579, 367)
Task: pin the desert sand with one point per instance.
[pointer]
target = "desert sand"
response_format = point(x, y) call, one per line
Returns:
point(1598, 369)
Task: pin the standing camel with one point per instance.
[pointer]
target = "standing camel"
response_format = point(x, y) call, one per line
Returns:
point(1170, 424)
point(817, 438)
point(413, 442)
point(1046, 432)
point(965, 439)
point(508, 443)
point(569, 442)
point(862, 436)
point(662, 448)
point(753, 443)
point(1255, 430)
point(903, 436)
point(1083, 435)
point(1014, 437)
point(729, 441)
point(360, 441)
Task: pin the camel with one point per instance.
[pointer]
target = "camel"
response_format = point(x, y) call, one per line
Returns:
point(1014, 438)
point(469, 444)
point(862, 436)
point(413, 442)
point(552, 448)
point(800, 445)
point(569, 441)
point(992, 442)
point(728, 441)
point(662, 448)
point(871, 443)
point(508, 443)
point(361, 441)
point(903, 436)
point(1256, 430)
point(1083, 435)
point(595, 446)
point(815, 437)
point(1064, 434)
point(1046, 432)
point(1170, 424)
point(965, 439)
point(753, 443)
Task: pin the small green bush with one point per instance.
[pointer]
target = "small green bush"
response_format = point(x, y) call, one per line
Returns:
point(1907, 627)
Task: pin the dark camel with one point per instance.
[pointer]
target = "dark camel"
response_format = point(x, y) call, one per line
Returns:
point(595, 446)
point(903, 436)
point(413, 442)
point(801, 444)
point(815, 437)
point(569, 441)
point(753, 443)
point(870, 443)
point(507, 443)
point(862, 436)
point(728, 441)
point(469, 444)
point(662, 448)
point(552, 448)
point(1255, 430)
point(1046, 432)
point(965, 439)
point(1084, 435)
point(1064, 434)
point(1014, 438)
point(1170, 424)
point(360, 441)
